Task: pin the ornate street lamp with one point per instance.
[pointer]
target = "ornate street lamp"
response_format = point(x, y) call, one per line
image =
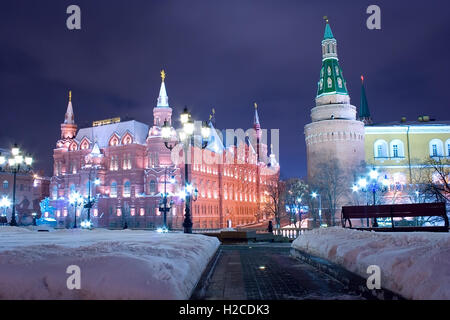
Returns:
point(75, 199)
point(316, 195)
point(186, 136)
point(164, 206)
point(16, 163)
point(5, 203)
point(374, 185)
point(90, 201)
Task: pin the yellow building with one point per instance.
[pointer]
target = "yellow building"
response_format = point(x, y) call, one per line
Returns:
point(401, 151)
point(399, 147)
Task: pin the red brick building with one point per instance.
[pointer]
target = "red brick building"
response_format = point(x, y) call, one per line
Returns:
point(130, 165)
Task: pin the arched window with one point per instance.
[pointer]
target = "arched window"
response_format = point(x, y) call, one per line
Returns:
point(436, 148)
point(5, 184)
point(339, 80)
point(397, 149)
point(127, 189)
point(380, 149)
point(127, 139)
point(329, 82)
point(85, 144)
point(114, 141)
point(152, 187)
point(73, 146)
point(113, 191)
point(447, 147)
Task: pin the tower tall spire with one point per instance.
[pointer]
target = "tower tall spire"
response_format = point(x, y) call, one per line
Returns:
point(162, 112)
point(256, 124)
point(69, 128)
point(163, 99)
point(331, 80)
point(69, 117)
point(364, 112)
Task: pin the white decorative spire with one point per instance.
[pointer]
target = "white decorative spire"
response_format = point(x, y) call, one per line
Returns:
point(69, 117)
point(256, 124)
point(163, 99)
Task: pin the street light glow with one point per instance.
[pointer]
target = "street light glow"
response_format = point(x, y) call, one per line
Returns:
point(314, 195)
point(362, 183)
point(5, 202)
point(373, 174)
point(97, 181)
point(189, 128)
point(15, 151)
point(28, 161)
point(166, 130)
point(355, 188)
point(2, 160)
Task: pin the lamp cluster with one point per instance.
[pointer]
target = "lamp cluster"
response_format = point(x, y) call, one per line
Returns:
point(16, 158)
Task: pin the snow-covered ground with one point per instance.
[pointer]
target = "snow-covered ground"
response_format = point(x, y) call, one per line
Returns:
point(415, 265)
point(122, 264)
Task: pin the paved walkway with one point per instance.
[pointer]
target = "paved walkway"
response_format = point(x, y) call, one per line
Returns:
point(268, 272)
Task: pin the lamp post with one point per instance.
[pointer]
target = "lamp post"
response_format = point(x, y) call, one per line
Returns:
point(90, 202)
point(187, 138)
point(316, 195)
point(165, 207)
point(75, 199)
point(5, 203)
point(374, 185)
point(14, 164)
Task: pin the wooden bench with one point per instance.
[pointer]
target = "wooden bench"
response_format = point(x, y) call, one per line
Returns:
point(396, 211)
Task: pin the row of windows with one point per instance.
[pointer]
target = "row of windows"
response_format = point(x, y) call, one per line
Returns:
point(396, 149)
point(113, 141)
point(22, 187)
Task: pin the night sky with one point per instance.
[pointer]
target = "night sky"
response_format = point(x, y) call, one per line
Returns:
point(223, 54)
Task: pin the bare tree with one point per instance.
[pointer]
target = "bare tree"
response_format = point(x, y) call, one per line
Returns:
point(332, 182)
point(438, 180)
point(274, 204)
point(296, 193)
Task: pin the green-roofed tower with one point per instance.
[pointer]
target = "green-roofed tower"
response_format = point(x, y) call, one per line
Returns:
point(331, 78)
point(334, 135)
point(364, 112)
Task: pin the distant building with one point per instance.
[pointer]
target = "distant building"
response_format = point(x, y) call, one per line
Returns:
point(132, 166)
point(398, 151)
point(31, 188)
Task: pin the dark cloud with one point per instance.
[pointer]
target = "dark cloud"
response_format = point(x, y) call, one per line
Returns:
point(222, 54)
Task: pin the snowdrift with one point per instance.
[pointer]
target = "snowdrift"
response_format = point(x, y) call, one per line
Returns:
point(114, 264)
point(415, 265)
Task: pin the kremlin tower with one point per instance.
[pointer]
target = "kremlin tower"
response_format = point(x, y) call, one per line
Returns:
point(334, 134)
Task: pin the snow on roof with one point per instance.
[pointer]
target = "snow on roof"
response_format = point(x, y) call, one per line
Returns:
point(102, 134)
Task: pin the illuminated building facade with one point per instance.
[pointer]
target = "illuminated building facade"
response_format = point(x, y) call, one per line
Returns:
point(125, 166)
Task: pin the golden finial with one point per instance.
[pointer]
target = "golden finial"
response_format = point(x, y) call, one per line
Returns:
point(256, 105)
point(70, 95)
point(213, 111)
point(325, 18)
point(163, 75)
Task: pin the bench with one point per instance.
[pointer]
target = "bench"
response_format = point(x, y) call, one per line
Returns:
point(396, 211)
point(3, 221)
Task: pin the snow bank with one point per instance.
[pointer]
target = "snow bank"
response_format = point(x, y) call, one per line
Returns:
point(415, 265)
point(114, 264)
